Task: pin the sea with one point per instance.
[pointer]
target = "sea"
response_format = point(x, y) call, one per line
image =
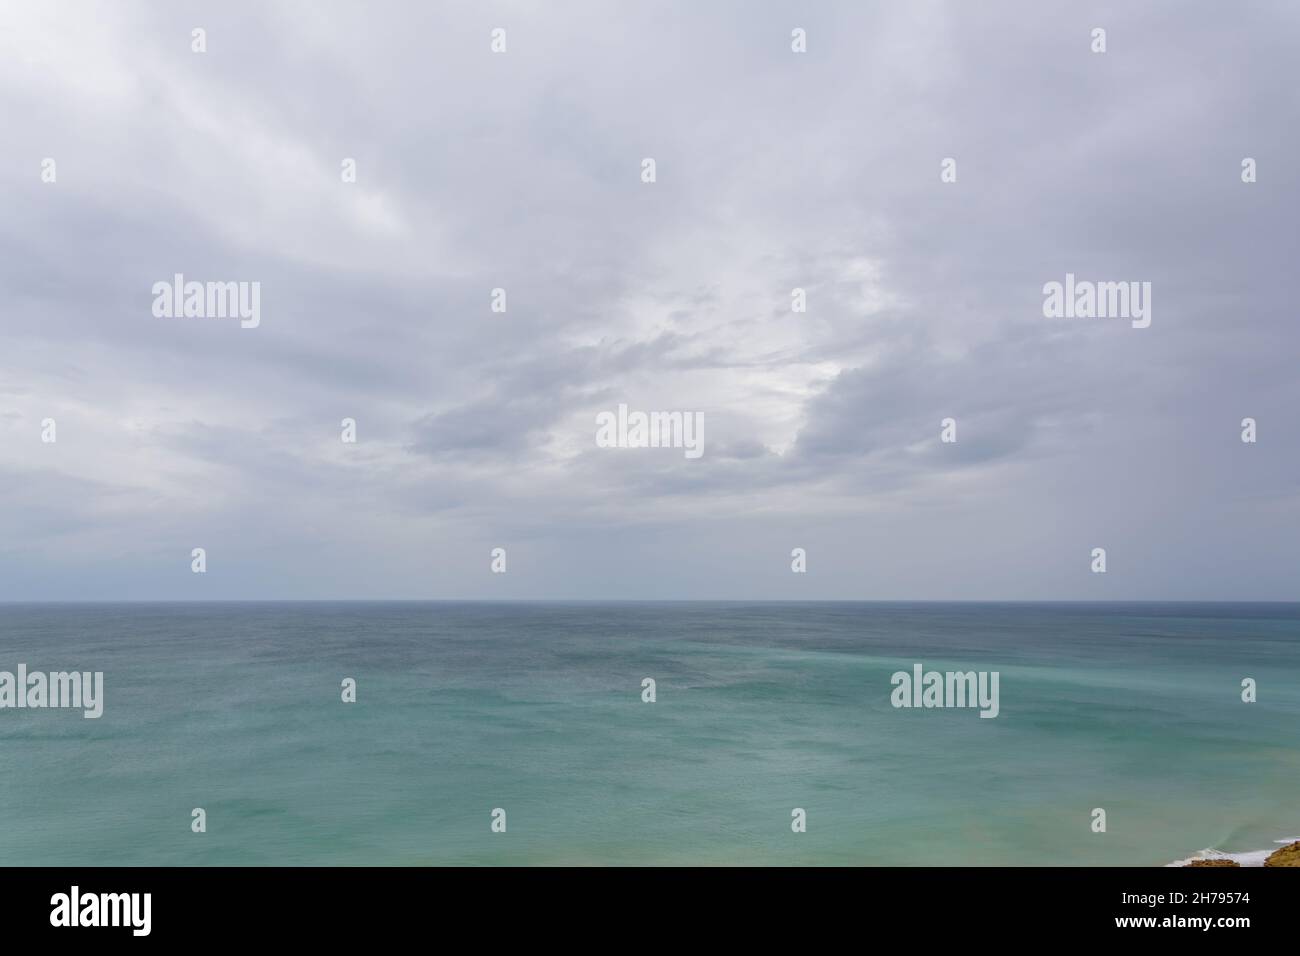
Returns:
point(525, 734)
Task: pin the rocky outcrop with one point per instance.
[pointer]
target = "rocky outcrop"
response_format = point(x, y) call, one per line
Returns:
point(1214, 863)
point(1289, 855)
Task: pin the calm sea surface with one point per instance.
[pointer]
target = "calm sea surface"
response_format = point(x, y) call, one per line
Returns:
point(536, 709)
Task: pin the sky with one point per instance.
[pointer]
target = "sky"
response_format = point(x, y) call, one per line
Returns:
point(774, 170)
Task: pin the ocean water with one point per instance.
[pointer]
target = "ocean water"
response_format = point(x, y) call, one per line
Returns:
point(536, 708)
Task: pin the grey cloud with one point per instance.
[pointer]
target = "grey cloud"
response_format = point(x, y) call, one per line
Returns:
point(521, 171)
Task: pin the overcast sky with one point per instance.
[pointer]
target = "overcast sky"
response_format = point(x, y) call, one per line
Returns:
point(775, 170)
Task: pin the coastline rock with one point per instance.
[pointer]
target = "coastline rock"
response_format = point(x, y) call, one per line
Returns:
point(1214, 863)
point(1289, 855)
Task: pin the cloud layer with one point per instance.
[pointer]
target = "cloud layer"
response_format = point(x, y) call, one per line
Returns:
point(521, 171)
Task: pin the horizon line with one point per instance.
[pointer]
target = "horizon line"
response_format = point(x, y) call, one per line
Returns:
point(1076, 601)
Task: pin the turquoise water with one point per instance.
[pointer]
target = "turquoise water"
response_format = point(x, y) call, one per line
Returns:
point(536, 708)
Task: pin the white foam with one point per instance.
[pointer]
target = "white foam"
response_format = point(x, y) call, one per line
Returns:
point(1249, 858)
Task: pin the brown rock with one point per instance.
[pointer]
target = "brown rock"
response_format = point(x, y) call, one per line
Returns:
point(1289, 855)
point(1214, 863)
